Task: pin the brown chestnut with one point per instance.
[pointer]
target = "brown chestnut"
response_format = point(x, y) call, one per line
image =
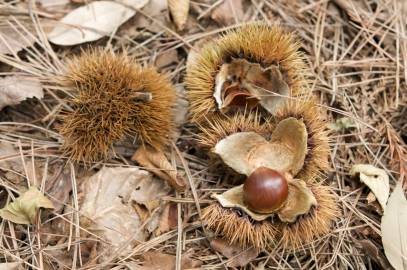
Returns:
point(265, 190)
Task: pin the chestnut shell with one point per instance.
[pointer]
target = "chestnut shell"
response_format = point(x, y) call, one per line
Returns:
point(265, 190)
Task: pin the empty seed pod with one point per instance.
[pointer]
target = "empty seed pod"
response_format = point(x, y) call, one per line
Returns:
point(256, 65)
point(114, 97)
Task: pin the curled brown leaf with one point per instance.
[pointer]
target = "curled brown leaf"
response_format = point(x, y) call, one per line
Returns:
point(156, 162)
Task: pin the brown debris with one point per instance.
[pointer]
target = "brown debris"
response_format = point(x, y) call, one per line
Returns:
point(156, 162)
point(238, 256)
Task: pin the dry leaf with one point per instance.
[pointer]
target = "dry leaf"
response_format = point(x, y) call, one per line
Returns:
point(239, 256)
point(59, 186)
point(92, 21)
point(169, 219)
point(179, 12)
point(166, 58)
point(154, 260)
point(373, 252)
point(181, 107)
point(14, 89)
point(393, 227)
point(107, 207)
point(10, 162)
point(156, 9)
point(376, 179)
point(54, 5)
point(229, 12)
point(156, 162)
point(24, 209)
point(11, 41)
point(9, 266)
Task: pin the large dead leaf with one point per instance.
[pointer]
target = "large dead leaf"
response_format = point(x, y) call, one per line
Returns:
point(238, 256)
point(179, 12)
point(14, 89)
point(393, 227)
point(165, 59)
point(246, 151)
point(24, 209)
point(376, 179)
point(107, 207)
point(92, 21)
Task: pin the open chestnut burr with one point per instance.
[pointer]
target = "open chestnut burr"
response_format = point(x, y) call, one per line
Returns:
point(275, 200)
point(249, 93)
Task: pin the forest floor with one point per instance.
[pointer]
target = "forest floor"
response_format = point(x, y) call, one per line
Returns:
point(356, 52)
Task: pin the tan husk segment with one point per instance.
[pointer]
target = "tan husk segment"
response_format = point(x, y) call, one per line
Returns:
point(292, 133)
point(221, 126)
point(238, 228)
point(316, 159)
point(316, 224)
point(300, 200)
point(258, 43)
point(246, 151)
point(114, 97)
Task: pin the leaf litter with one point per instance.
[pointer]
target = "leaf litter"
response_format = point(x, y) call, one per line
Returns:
point(357, 56)
point(376, 179)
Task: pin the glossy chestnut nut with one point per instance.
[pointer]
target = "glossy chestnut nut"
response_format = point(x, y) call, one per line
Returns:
point(265, 190)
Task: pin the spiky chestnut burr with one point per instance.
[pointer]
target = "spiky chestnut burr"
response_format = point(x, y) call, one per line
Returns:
point(114, 97)
point(268, 47)
point(238, 228)
point(305, 109)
